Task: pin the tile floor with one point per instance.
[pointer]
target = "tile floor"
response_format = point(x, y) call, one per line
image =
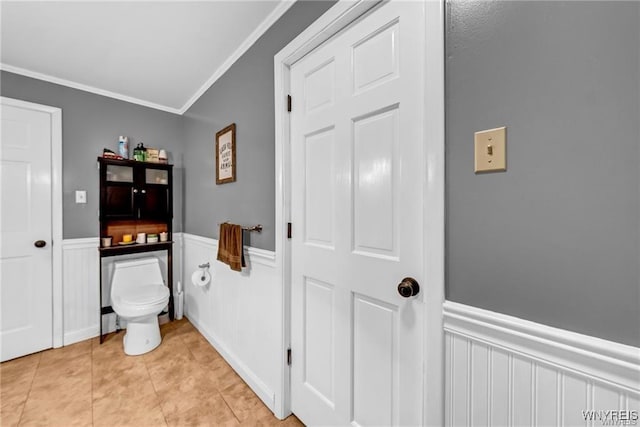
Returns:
point(184, 382)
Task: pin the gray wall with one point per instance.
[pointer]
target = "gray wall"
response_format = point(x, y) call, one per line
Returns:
point(244, 96)
point(90, 123)
point(556, 238)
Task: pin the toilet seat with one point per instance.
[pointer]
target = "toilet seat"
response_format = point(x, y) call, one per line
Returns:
point(144, 295)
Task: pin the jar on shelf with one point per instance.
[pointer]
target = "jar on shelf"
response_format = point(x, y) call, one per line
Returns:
point(140, 153)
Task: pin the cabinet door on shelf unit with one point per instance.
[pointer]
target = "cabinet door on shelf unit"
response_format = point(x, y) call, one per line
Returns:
point(118, 192)
point(120, 202)
point(155, 201)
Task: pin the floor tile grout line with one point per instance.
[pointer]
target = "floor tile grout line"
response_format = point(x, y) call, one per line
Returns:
point(146, 367)
point(204, 366)
point(229, 406)
point(35, 371)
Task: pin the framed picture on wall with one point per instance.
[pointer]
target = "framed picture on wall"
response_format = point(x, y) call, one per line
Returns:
point(226, 155)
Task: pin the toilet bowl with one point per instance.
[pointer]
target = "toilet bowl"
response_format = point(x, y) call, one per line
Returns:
point(138, 295)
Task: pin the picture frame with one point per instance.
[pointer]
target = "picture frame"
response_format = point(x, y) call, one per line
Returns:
point(226, 155)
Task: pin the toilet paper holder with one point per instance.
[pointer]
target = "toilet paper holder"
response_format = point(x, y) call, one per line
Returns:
point(203, 267)
point(201, 276)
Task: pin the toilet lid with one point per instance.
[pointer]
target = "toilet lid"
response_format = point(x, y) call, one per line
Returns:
point(144, 294)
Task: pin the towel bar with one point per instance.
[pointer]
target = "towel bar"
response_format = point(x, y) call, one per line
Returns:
point(257, 228)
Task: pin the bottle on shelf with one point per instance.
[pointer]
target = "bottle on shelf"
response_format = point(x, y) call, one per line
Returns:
point(140, 153)
point(123, 147)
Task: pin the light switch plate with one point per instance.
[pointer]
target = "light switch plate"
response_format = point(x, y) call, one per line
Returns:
point(81, 196)
point(491, 150)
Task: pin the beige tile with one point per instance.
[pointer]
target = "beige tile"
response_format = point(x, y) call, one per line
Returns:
point(190, 335)
point(65, 353)
point(197, 407)
point(57, 369)
point(58, 388)
point(243, 402)
point(224, 376)
point(261, 416)
point(270, 420)
point(111, 347)
point(134, 408)
point(292, 421)
point(183, 382)
point(56, 411)
point(171, 346)
point(16, 377)
point(10, 413)
point(12, 407)
point(183, 326)
point(170, 325)
point(61, 389)
point(19, 367)
point(204, 352)
point(183, 375)
point(126, 380)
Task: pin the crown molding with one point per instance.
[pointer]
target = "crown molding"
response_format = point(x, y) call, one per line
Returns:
point(282, 7)
point(85, 88)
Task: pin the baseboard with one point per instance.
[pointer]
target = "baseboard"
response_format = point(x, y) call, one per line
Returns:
point(73, 337)
point(260, 388)
point(502, 370)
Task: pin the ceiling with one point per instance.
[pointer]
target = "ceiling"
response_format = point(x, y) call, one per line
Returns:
point(162, 54)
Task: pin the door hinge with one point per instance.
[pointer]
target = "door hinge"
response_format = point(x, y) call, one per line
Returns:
point(289, 356)
point(289, 103)
point(288, 230)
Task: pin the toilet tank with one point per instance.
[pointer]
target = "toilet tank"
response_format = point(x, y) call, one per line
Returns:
point(143, 271)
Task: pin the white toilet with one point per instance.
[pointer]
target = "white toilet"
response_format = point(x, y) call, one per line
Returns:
point(138, 295)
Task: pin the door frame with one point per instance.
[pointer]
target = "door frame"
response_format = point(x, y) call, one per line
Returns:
point(55, 113)
point(337, 18)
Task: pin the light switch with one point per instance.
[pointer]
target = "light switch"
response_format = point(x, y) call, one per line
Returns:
point(491, 150)
point(81, 196)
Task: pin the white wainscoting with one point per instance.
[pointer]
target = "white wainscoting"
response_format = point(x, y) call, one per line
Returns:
point(80, 289)
point(505, 371)
point(80, 285)
point(239, 313)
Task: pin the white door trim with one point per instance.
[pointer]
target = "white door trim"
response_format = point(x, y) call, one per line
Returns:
point(342, 14)
point(56, 209)
point(434, 213)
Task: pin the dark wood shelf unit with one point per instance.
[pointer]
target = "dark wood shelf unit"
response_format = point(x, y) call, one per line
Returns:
point(134, 248)
point(135, 197)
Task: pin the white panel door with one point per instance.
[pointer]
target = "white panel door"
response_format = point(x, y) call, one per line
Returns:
point(25, 217)
point(357, 212)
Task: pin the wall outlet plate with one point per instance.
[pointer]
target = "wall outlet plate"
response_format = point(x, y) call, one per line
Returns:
point(491, 150)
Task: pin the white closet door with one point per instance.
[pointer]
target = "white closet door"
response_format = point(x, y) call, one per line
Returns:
point(357, 212)
point(25, 225)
